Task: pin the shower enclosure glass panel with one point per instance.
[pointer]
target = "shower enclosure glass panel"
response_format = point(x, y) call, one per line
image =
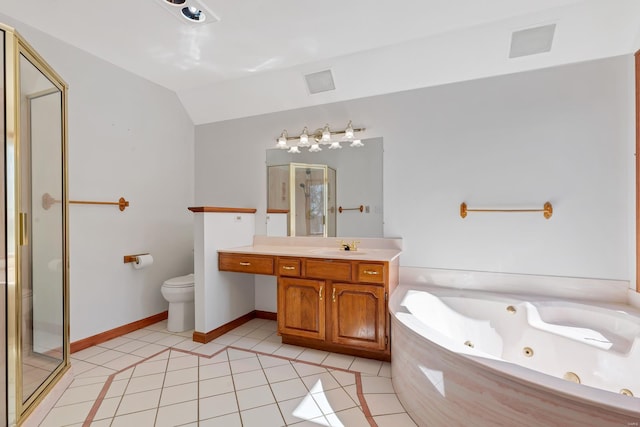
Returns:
point(4, 261)
point(42, 273)
point(35, 267)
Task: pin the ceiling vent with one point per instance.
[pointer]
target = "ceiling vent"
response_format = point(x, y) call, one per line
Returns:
point(321, 81)
point(532, 41)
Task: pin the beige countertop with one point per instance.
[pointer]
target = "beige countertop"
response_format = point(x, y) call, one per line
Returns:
point(369, 249)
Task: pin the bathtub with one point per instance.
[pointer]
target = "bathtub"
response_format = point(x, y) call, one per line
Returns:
point(469, 357)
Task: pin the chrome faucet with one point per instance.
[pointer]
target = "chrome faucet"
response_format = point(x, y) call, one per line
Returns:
point(346, 246)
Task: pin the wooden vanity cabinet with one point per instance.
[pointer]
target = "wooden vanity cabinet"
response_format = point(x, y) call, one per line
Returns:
point(337, 305)
point(351, 297)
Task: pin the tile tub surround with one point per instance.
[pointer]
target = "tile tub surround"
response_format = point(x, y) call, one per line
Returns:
point(246, 377)
point(441, 386)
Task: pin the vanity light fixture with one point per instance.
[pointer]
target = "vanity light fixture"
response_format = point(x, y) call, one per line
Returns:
point(193, 14)
point(322, 136)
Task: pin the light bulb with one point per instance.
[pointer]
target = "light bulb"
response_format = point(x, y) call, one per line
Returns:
point(282, 140)
point(304, 138)
point(315, 148)
point(326, 134)
point(348, 132)
point(294, 150)
point(334, 145)
point(356, 143)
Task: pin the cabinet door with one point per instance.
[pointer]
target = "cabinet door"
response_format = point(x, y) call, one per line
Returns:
point(301, 307)
point(358, 315)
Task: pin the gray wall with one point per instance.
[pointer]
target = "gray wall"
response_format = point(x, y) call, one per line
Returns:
point(563, 135)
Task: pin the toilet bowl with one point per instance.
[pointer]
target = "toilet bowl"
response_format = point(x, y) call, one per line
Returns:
point(179, 292)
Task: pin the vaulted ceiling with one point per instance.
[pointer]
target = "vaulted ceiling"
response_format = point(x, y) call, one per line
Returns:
point(253, 58)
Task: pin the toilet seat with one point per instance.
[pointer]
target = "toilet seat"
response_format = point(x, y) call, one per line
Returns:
point(180, 282)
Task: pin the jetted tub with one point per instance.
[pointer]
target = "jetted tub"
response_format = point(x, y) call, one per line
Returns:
point(465, 357)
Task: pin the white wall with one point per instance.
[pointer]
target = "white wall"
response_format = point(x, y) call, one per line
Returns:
point(127, 137)
point(563, 135)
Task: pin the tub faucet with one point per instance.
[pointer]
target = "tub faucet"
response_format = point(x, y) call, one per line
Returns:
point(346, 246)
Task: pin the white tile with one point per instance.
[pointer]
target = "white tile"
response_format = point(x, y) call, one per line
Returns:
point(270, 325)
point(290, 351)
point(306, 369)
point(320, 382)
point(209, 349)
point(215, 406)
point(182, 376)
point(68, 414)
point(215, 386)
point(117, 388)
point(101, 423)
point(98, 371)
point(123, 375)
point(264, 416)
point(290, 389)
point(180, 413)
point(145, 383)
point(254, 397)
point(116, 342)
point(218, 358)
point(242, 330)
point(130, 346)
point(352, 390)
point(149, 350)
point(267, 347)
point(138, 334)
point(274, 338)
point(245, 365)
point(259, 334)
point(385, 370)
point(88, 353)
point(104, 357)
point(338, 360)
point(280, 373)
point(229, 420)
point(270, 361)
point(80, 366)
point(139, 402)
point(367, 366)
point(154, 337)
point(234, 354)
point(80, 394)
point(395, 420)
point(320, 421)
point(187, 345)
point(107, 408)
point(179, 393)
point(123, 362)
point(149, 368)
point(80, 382)
point(383, 404)
point(145, 418)
point(343, 378)
point(171, 340)
point(353, 417)
point(214, 370)
point(158, 326)
point(376, 385)
point(246, 342)
point(176, 363)
point(226, 339)
point(258, 323)
point(300, 409)
point(313, 355)
point(249, 379)
point(330, 401)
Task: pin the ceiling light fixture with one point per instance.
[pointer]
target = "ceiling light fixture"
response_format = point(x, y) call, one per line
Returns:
point(321, 136)
point(193, 14)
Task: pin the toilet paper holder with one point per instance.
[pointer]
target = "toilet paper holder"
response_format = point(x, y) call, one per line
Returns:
point(132, 258)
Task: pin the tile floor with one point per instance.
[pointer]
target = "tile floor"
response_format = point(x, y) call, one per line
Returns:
point(246, 377)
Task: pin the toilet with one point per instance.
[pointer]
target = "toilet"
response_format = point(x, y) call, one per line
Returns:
point(179, 292)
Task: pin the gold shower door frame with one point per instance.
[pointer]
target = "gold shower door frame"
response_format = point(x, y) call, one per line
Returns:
point(18, 409)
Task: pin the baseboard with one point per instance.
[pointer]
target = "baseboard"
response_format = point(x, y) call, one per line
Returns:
point(116, 332)
point(205, 337)
point(269, 315)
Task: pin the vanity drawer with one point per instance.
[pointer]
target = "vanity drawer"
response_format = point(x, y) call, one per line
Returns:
point(371, 273)
point(256, 264)
point(289, 267)
point(328, 269)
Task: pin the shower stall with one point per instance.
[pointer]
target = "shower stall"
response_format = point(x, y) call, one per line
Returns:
point(34, 254)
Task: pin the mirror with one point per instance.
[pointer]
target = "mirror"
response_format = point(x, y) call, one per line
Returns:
point(358, 182)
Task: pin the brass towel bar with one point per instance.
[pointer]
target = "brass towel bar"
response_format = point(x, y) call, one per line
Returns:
point(547, 210)
point(48, 201)
point(359, 208)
